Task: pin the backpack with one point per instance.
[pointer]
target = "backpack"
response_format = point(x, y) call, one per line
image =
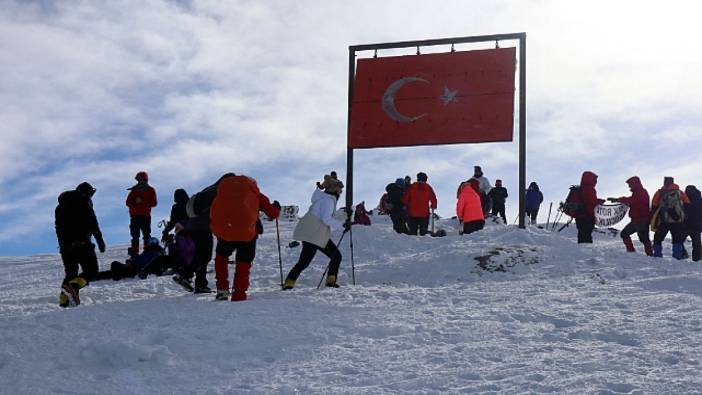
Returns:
point(574, 205)
point(234, 211)
point(671, 208)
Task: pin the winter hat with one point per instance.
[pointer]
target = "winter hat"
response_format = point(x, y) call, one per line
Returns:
point(422, 177)
point(478, 171)
point(668, 180)
point(142, 176)
point(400, 182)
point(86, 189)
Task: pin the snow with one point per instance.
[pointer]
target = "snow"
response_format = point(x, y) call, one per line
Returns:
point(424, 318)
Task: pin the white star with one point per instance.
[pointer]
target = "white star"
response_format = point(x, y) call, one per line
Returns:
point(449, 96)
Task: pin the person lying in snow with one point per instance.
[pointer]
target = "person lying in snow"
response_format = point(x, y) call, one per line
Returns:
point(360, 216)
point(152, 260)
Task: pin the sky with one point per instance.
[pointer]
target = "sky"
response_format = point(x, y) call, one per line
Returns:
point(188, 90)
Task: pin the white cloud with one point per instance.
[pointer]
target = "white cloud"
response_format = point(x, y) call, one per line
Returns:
point(97, 90)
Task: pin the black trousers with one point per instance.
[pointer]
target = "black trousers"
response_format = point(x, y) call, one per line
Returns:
point(203, 255)
point(140, 225)
point(585, 228)
point(398, 220)
point(79, 254)
point(308, 252)
point(641, 229)
point(418, 223)
point(677, 232)
point(472, 226)
point(499, 209)
point(695, 236)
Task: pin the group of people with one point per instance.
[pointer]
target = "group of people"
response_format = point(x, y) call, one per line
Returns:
point(228, 211)
point(671, 210)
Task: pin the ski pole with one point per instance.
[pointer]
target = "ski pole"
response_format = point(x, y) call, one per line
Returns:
point(280, 258)
point(327, 268)
point(549, 214)
point(353, 268)
point(566, 224)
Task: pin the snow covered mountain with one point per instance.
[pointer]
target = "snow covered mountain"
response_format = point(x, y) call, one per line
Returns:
point(500, 311)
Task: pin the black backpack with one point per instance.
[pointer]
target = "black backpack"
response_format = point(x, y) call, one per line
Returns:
point(574, 205)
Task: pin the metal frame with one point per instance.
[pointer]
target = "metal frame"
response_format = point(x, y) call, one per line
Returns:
point(445, 41)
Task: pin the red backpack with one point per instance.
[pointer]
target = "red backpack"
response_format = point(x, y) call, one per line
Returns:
point(574, 205)
point(234, 211)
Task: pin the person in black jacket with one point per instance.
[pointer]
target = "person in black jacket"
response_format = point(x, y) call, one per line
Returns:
point(693, 222)
point(498, 196)
point(76, 223)
point(178, 211)
point(397, 213)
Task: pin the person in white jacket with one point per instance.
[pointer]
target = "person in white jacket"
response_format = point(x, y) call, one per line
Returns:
point(484, 187)
point(314, 231)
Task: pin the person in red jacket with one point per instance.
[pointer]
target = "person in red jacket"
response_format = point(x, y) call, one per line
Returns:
point(233, 219)
point(585, 222)
point(418, 198)
point(141, 198)
point(639, 212)
point(469, 209)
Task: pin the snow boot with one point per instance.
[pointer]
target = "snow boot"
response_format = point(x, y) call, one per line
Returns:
point(647, 248)
point(222, 294)
point(183, 282)
point(289, 284)
point(629, 244)
point(677, 251)
point(658, 251)
point(241, 281)
point(63, 299)
point(685, 255)
point(203, 290)
point(331, 281)
point(221, 272)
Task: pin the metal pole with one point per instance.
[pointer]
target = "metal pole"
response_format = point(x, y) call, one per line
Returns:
point(349, 150)
point(280, 258)
point(522, 128)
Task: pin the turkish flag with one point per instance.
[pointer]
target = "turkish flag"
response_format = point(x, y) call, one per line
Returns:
point(445, 98)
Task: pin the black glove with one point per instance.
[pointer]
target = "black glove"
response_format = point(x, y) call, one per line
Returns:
point(100, 242)
point(276, 204)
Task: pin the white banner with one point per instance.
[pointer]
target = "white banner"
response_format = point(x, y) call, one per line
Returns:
point(608, 215)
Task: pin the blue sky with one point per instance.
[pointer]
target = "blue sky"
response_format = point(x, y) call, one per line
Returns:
point(98, 90)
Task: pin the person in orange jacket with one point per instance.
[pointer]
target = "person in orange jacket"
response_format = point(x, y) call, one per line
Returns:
point(141, 198)
point(668, 208)
point(418, 198)
point(469, 209)
point(233, 218)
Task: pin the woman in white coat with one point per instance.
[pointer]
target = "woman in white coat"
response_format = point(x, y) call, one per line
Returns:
point(314, 231)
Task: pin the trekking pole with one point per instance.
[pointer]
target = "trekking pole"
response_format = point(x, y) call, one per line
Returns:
point(549, 214)
point(353, 268)
point(515, 219)
point(280, 258)
point(327, 268)
point(566, 224)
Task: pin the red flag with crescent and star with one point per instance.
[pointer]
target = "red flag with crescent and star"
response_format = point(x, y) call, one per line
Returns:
point(443, 98)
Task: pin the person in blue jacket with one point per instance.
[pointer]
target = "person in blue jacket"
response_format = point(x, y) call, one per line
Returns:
point(534, 197)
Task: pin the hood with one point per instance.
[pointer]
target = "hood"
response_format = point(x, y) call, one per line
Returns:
point(588, 179)
point(400, 182)
point(634, 182)
point(475, 184)
point(693, 193)
point(142, 176)
point(533, 186)
point(180, 196)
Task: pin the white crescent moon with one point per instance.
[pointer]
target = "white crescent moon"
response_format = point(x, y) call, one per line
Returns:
point(389, 100)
